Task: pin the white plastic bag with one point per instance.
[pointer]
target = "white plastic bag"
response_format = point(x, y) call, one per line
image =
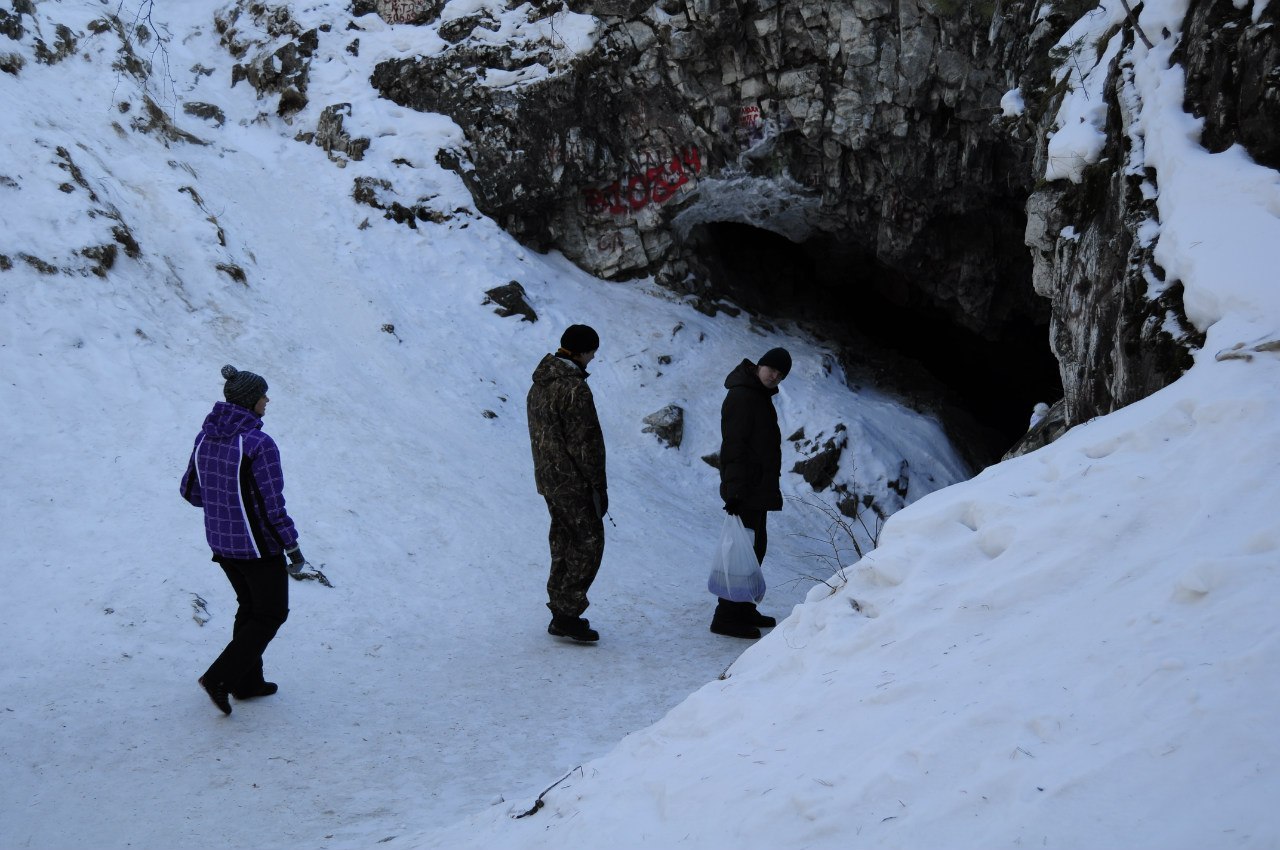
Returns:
point(735, 572)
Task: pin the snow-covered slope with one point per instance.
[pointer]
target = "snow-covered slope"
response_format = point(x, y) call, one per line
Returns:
point(422, 686)
point(1075, 649)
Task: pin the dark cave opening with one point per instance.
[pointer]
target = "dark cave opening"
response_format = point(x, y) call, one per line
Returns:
point(982, 386)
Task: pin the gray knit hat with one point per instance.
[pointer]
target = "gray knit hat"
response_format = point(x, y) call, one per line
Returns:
point(243, 388)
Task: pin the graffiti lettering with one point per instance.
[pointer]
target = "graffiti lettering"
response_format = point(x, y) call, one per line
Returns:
point(656, 184)
point(609, 243)
point(400, 11)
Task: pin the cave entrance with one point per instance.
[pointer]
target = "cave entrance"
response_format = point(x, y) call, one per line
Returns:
point(983, 386)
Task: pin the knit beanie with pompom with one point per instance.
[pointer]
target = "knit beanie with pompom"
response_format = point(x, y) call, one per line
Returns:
point(243, 388)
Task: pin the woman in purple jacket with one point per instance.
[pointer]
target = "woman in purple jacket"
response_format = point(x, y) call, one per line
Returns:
point(234, 474)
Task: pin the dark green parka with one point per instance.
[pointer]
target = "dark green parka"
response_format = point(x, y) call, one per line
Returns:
point(750, 442)
point(564, 431)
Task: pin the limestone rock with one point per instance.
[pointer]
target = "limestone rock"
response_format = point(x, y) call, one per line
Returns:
point(1114, 342)
point(381, 195)
point(1043, 432)
point(331, 136)
point(667, 425)
point(207, 111)
point(1232, 77)
point(512, 301)
point(409, 11)
point(868, 123)
point(820, 468)
point(281, 65)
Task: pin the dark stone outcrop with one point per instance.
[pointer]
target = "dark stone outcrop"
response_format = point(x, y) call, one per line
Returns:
point(820, 468)
point(11, 25)
point(791, 158)
point(331, 136)
point(157, 122)
point(667, 425)
point(381, 195)
point(1049, 428)
point(870, 134)
point(512, 301)
point(1116, 336)
point(283, 71)
point(866, 127)
point(1233, 76)
point(208, 111)
point(63, 46)
point(868, 137)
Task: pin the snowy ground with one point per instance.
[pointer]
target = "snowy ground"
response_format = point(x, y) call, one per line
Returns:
point(423, 686)
point(1074, 649)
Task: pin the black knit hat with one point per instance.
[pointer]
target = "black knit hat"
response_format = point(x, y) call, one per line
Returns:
point(579, 339)
point(243, 388)
point(777, 358)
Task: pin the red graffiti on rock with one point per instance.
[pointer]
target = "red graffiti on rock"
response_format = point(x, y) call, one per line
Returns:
point(657, 184)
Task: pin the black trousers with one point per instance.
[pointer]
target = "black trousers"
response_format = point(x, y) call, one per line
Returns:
point(755, 520)
point(262, 596)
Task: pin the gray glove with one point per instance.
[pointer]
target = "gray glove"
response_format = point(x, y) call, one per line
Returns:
point(297, 563)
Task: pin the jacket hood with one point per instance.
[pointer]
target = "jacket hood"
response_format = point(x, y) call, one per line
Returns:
point(554, 368)
point(744, 376)
point(228, 420)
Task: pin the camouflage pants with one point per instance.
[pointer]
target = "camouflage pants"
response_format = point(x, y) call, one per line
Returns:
point(577, 545)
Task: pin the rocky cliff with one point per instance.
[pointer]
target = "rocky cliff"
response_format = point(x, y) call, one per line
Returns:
point(865, 128)
point(878, 137)
point(887, 173)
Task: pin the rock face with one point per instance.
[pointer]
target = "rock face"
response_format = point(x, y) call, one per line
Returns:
point(667, 425)
point(1118, 328)
point(1233, 77)
point(284, 70)
point(819, 469)
point(512, 300)
point(870, 133)
point(870, 137)
point(866, 126)
point(1044, 429)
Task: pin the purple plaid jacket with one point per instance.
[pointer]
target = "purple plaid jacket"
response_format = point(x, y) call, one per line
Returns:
point(234, 474)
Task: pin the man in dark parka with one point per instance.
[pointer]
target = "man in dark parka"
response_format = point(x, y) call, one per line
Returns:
point(569, 470)
point(750, 469)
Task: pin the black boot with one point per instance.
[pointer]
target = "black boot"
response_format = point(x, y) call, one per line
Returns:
point(575, 628)
point(733, 619)
point(217, 693)
point(763, 621)
point(260, 689)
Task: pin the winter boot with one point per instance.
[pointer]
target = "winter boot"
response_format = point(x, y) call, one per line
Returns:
point(261, 689)
point(733, 619)
point(218, 693)
point(575, 628)
point(762, 621)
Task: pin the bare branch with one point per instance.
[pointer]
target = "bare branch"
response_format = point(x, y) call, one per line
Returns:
point(538, 804)
point(839, 537)
point(1137, 27)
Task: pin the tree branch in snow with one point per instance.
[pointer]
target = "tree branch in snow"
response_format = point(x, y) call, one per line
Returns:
point(537, 804)
point(1137, 27)
point(839, 536)
point(139, 31)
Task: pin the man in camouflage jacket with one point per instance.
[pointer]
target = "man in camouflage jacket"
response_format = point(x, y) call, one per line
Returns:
point(569, 470)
